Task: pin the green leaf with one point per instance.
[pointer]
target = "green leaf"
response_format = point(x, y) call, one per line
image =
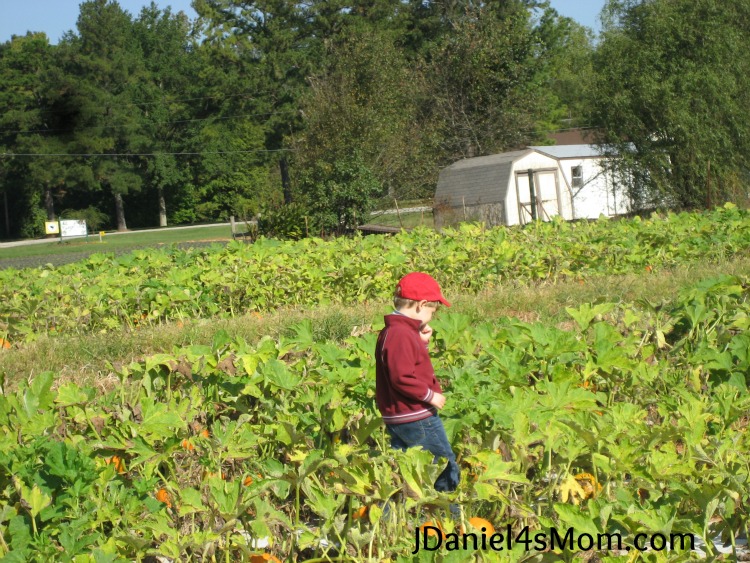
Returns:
point(71, 394)
point(38, 396)
point(279, 375)
point(190, 501)
point(159, 421)
point(573, 517)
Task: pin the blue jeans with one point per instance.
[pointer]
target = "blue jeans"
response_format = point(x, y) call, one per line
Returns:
point(430, 434)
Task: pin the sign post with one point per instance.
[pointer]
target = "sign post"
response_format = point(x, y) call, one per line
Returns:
point(52, 227)
point(73, 228)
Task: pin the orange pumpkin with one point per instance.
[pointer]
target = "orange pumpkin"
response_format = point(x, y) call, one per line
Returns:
point(263, 557)
point(187, 444)
point(359, 513)
point(589, 484)
point(163, 496)
point(4, 343)
point(479, 523)
point(118, 463)
point(431, 531)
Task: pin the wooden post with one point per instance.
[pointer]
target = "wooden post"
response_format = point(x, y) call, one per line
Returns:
point(398, 212)
point(307, 234)
point(463, 201)
point(708, 186)
point(231, 222)
point(532, 193)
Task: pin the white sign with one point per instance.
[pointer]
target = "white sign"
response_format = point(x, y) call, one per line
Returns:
point(72, 228)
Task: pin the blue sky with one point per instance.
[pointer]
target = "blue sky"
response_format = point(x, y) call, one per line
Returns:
point(55, 17)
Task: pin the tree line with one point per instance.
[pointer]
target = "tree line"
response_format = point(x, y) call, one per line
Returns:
point(311, 113)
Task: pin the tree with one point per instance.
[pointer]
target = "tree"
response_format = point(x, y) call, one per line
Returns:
point(368, 99)
point(165, 43)
point(103, 72)
point(671, 92)
point(565, 54)
point(270, 40)
point(482, 76)
point(27, 127)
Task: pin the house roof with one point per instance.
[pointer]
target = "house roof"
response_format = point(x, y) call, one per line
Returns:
point(569, 151)
point(574, 136)
point(483, 179)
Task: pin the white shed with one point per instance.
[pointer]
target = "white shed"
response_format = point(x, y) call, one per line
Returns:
point(568, 180)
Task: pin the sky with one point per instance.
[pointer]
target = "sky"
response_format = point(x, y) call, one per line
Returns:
point(55, 17)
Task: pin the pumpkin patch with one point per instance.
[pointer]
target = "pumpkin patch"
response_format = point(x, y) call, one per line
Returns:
point(633, 417)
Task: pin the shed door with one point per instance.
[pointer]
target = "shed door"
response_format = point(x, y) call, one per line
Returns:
point(547, 199)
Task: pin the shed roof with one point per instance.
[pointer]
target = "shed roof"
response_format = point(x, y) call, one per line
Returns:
point(483, 179)
point(569, 151)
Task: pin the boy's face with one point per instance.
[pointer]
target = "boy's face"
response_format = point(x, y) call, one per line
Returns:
point(421, 310)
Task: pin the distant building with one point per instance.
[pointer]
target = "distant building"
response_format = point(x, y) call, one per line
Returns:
point(568, 180)
point(574, 136)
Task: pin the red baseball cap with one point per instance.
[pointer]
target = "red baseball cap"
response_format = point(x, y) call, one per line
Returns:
point(419, 286)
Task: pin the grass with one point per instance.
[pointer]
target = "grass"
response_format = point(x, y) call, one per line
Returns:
point(89, 359)
point(408, 220)
point(119, 241)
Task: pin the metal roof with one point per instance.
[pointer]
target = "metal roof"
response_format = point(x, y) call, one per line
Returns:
point(569, 151)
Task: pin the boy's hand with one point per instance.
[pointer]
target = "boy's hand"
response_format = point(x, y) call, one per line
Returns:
point(438, 400)
point(425, 332)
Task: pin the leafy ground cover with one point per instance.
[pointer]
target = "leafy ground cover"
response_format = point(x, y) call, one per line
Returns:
point(634, 420)
point(88, 358)
point(148, 287)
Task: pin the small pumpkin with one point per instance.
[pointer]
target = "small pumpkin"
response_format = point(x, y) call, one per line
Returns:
point(117, 462)
point(479, 523)
point(163, 496)
point(4, 343)
point(429, 527)
point(263, 557)
point(188, 445)
point(589, 484)
point(361, 512)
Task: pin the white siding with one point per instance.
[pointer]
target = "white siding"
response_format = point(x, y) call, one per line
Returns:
point(593, 197)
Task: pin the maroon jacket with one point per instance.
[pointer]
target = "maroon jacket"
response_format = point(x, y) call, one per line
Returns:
point(405, 380)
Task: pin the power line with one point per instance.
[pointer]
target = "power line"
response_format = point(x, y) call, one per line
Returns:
point(89, 127)
point(170, 101)
point(88, 155)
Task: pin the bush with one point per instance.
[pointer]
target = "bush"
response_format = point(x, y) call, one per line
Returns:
point(291, 221)
point(94, 217)
point(340, 195)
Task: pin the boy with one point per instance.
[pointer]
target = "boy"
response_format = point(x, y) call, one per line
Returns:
point(407, 393)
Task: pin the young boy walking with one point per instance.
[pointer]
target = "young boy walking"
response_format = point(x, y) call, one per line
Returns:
point(407, 393)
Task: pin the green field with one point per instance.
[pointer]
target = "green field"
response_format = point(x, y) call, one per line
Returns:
point(117, 242)
point(404, 220)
